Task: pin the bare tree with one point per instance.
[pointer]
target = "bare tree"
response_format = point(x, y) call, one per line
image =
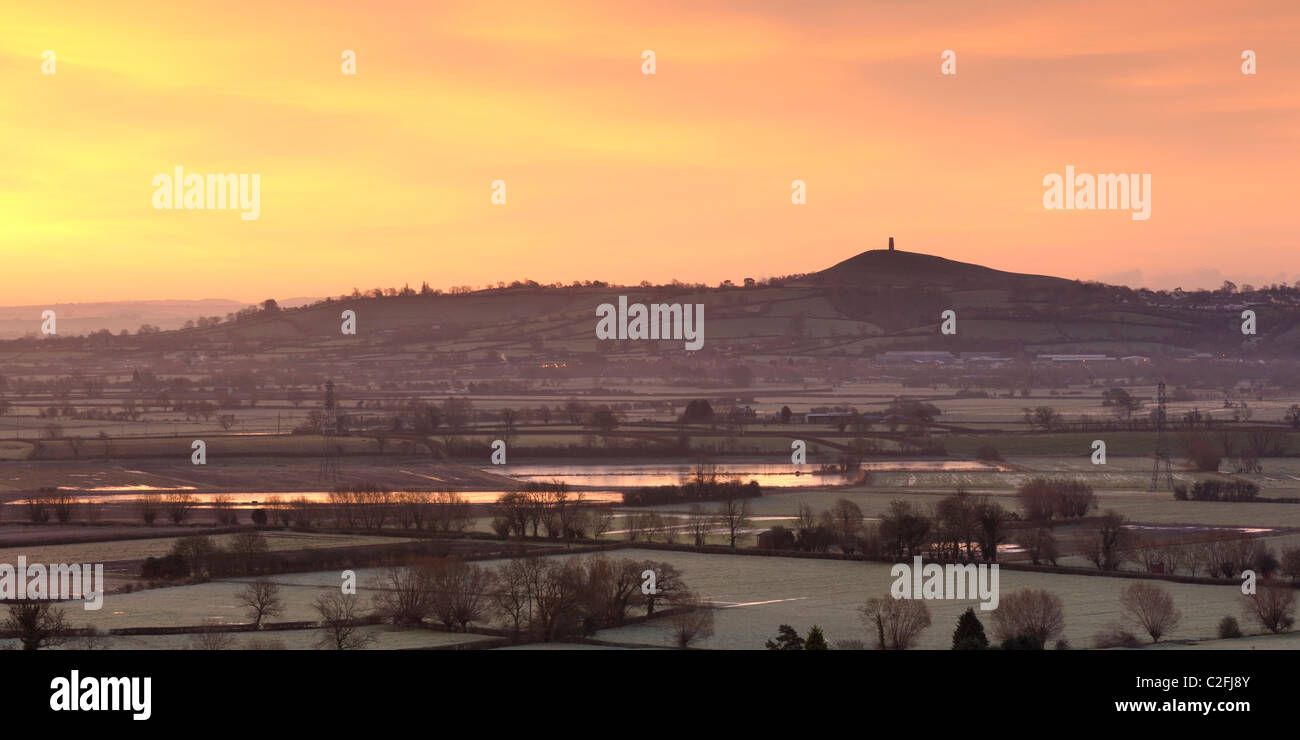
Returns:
point(1291, 564)
point(600, 518)
point(1040, 543)
point(402, 596)
point(148, 506)
point(701, 523)
point(340, 617)
point(178, 505)
point(414, 509)
point(807, 519)
point(249, 549)
point(1174, 556)
point(1035, 613)
point(691, 620)
point(457, 592)
point(38, 504)
point(734, 515)
point(635, 526)
point(511, 596)
point(262, 599)
point(37, 624)
point(992, 519)
point(610, 589)
point(64, 503)
point(223, 511)
point(1106, 544)
point(653, 525)
point(845, 519)
point(1273, 604)
point(1151, 608)
point(896, 623)
point(667, 581)
point(304, 513)
point(556, 589)
point(199, 553)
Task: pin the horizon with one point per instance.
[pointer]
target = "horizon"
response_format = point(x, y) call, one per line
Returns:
point(622, 176)
point(1213, 284)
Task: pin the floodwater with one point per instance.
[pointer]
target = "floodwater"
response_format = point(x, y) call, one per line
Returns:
point(255, 500)
point(768, 475)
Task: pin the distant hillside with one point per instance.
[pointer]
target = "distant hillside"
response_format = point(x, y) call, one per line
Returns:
point(83, 318)
point(873, 302)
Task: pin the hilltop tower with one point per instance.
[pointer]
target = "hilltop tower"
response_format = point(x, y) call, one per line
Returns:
point(891, 243)
point(1162, 443)
point(329, 462)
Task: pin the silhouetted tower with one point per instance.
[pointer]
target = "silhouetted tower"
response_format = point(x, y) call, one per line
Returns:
point(329, 462)
point(891, 243)
point(1162, 443)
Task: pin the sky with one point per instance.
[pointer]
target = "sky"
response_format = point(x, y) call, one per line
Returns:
point(385, 176)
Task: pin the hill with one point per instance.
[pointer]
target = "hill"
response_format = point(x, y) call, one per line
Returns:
point(872, 302)
point(880, 267)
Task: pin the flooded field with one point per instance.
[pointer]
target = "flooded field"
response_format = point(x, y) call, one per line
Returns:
point(768, 475)
point(271, 499)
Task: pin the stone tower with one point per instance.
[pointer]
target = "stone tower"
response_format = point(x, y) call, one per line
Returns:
point(891, 243)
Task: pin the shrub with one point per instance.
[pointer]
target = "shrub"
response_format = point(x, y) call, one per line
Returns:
point(1273, 604)
point(1044, 499)
point(1034, 612)
point(1229, 629)
point(895, 623)
point(167, 567)
point(1114, 636)
point(1291, 563)
point(1203, 453)
point(1265, 562)
point(1023, 641)
point(777, 538)
point(1213, 489)
point(1151, 608)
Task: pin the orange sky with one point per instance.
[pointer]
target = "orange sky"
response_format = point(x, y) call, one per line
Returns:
point(384, 177)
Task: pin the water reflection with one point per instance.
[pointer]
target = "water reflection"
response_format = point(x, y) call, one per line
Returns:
point(768, 475)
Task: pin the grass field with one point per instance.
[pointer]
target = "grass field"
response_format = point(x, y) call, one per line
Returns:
point(757, 594)
point(753, 595)
point(1137, 506)
point(101, 552)
point(384, 637)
